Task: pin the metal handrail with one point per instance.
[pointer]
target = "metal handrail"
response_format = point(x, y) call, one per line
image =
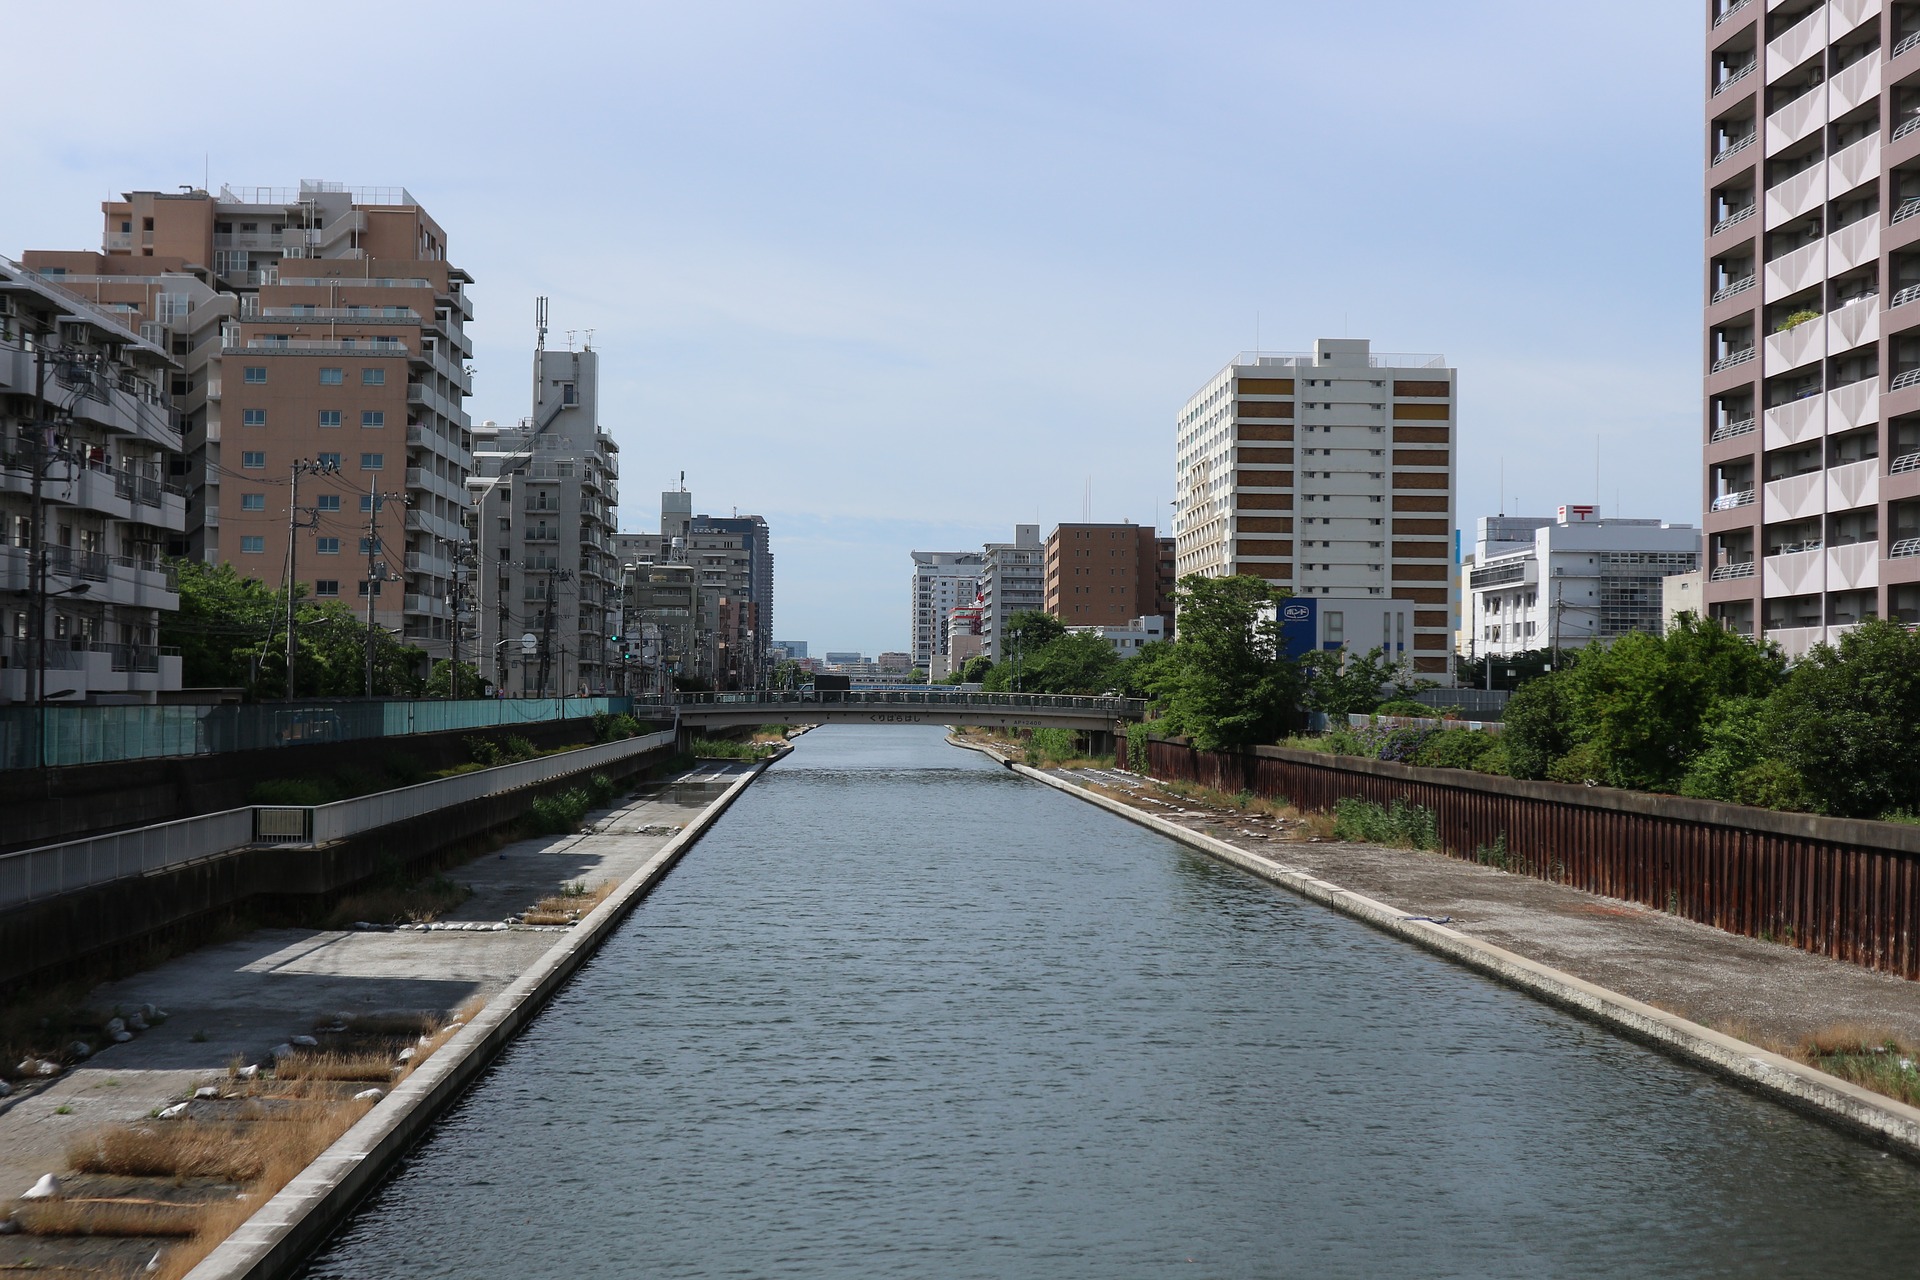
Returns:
point(1123, 707)
point(1734, 358)
point(1729, 11)
point(1906, 127)
point(1903, 548)
point(1734, 79)
point(1728, 430)
point(1728, 572)
point(1904, 296)
point(1728, 501)
point(1904, 463)
point(1734, 148)
point(1901, 381)
point(1737, 287)
point(1907, 209)
point(1796, 548)
point(1906, 43)
point(1738, 216)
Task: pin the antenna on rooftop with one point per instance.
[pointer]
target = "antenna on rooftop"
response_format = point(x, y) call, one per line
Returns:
point(540, 323)
point(570, 334)
point(588, 344)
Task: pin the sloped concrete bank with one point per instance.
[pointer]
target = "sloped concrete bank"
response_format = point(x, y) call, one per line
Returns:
point(1863, 1112)
point(279, 1236)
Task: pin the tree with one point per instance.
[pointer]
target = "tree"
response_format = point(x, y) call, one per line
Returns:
point(1847, 720)
point(1135, 676)
point(1027, 632)
point(972, 671)
point(1078, 662)
point(1342, 683)
point(472, 683)
point(224, 627)
point(1538, 726)
point(1227, 683)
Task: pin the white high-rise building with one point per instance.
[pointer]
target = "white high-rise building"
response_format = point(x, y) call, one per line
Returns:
point(942, 582)
point(1013, 580)
point(1330, 474)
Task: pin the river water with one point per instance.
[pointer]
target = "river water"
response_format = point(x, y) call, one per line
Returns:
point(903, 1013)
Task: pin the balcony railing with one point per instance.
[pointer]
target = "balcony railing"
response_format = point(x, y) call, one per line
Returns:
point(1730, 10)
point(1795, 548)
point(1904, 296)
point(1733, 358)
point(1734, 148)
point(1904, 463)
point(1729, 430)
point(1735, 218)
point(1906, 127)
point(1729, 572)
point(1906, 43)
point(1901, 381)
point(1728, 501)
point(1734, 79)
point(1907, 209)
point(1903, 548)
point(1733, 289)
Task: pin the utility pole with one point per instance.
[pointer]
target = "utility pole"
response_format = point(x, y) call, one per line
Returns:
point(37, 547)
point(377, 570)
point(299, 467)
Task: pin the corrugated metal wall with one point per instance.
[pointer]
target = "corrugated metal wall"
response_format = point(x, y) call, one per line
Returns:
point(1836, 888)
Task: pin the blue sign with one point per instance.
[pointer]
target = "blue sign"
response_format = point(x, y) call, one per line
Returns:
point(1299, 627)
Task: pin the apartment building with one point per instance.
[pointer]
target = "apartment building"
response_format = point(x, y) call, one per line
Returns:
point(319, 324)
point(1812, 388)
point(89, 446)
point(1108, 575)
point(545, 494)
point(1328, 474)
point(748, 587)
point(1565, 581)
point(1013, 579)
point(942, 582)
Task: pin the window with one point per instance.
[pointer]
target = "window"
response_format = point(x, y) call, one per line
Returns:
point(327, 546)
point(254, 459)
point(327, 502)
point(1336, 627)
point(365, 585)
point(366, 502)
point(256, 374)
point(328, 460)
point(253, 417)
point(373, 418)
point(332, 377)
point(253, 544)
point(369, 546)
point(253, 502)
point(372, 461)
point(329, 417)
point(373, 377)
point(326, 586)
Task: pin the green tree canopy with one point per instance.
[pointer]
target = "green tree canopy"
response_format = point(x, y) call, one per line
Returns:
point(1848, 718)
point(1071, 663)
point(1341, 683)
point(1226, 683)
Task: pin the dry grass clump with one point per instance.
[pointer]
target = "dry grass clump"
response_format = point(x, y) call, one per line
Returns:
point(1872, 1058)
point(419, 903)
point(109, 1217)
point(569, 905)
point(175, 1149)
point(366, 1067)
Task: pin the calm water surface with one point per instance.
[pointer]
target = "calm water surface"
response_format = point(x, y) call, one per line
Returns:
point(902, 1013)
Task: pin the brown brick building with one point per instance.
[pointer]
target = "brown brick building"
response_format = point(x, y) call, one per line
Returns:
point(1106, 575)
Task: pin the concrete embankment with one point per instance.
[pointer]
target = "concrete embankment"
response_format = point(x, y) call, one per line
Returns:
point(1553, 933)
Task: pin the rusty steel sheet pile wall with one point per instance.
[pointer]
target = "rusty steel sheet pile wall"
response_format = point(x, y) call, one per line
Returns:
point(1836, 887)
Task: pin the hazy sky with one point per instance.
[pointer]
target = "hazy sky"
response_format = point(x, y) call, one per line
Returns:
point(899, 276)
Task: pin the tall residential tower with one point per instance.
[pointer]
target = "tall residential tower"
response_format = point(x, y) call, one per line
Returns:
point(1329, 474)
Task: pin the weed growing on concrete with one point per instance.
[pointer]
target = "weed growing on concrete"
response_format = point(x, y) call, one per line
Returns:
point(1872, 1058)
point(1051, 746)
point(723, 749)
point(1495, 854)
point(395, 902)
point(108, 1217)
point(63, 1110)
point(559, 814)
point(573, 901)
point(1403, 825)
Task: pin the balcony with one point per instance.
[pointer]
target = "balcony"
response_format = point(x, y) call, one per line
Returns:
point(1901, 381)
point(1854, 165)
point(1738, 216)
point(1797, 119)
point(1729, 11)
point(1735, 78)
point(1790, 348)
point(1904, 463)
point(1733, 148)
point(1733, 359)
point(1797, 43)
point(1733, 430)
point(1853, 484)
point(1791, 272)
point(1729, 501)
point(1735, 288)
point(1732, 572)
point(1796, 497)
point(1903, 548)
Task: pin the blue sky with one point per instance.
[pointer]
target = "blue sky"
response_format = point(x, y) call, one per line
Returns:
point(900, 276)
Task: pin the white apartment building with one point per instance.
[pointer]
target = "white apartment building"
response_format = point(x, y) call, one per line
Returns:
point(1567, 581)
point(1013, 580)
point(1132, 638)
point(1329, 473)
point(942, 582)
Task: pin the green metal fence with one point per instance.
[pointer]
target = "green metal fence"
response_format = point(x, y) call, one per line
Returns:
point(99, 735)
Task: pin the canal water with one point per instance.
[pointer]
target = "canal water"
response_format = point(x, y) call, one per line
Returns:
point(903, 1013)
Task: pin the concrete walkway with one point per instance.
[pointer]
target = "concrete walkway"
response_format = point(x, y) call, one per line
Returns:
point(1763, 992)
point(239, 999)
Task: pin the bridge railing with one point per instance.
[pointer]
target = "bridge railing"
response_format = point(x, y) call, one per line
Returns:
point(1119, 708)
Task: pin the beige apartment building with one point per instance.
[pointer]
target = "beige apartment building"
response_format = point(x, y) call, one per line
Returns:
point(1329, 474)
point(1811, 435)
point(318, 325)
point(1107, 575)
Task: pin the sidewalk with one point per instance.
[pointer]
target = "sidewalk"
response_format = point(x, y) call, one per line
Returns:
point(1763, 992)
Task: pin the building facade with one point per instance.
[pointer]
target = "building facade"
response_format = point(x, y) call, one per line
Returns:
point(90, 499)
point(1567, 581)
point(942, 581)
point(319, 324)
point(1328, 474)
point(1811, 435)
point(1128, 638)
point(1107, 575)
point(545, 494)
point(1013, 579)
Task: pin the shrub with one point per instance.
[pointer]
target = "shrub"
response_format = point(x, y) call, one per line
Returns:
point(603, 789)
point(483, 752)
point(559, 814)
point(1405, 825)
point(294, 791)
point(723, 749)
point(612, 728)
point(1051, 746)
point(1406, 707)
point(1455, 749)
point(1537, 720)
point(1138, 752)
point(1847, 720)
point(1586, 764)
point(515, 748)
point(1494, 759)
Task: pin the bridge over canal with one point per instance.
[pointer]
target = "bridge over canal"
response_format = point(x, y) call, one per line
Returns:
point(904, 707)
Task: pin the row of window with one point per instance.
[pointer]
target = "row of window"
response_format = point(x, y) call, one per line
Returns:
point(254, 544)
point(256, 460)
point(256, 375)
point(325, 502)
point(371, 418)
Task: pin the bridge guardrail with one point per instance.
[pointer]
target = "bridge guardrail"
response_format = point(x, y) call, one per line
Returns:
point(1127, 708)
point(29, 875)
